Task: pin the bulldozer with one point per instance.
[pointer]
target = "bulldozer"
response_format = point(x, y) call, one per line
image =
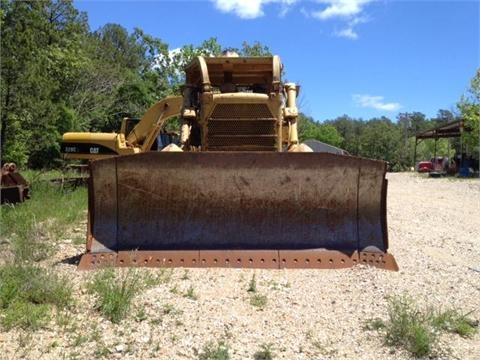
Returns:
point(235, 188)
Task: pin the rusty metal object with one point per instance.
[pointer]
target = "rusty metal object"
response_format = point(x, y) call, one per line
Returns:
point(14, 188)
point(267, 259)
point(233, 209)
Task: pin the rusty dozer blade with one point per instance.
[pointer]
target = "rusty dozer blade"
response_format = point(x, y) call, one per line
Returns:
point(232, 209)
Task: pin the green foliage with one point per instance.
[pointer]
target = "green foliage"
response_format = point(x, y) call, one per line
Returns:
point(40, 41)
point(252, 285)
point(417, 330)
point(115, 290)
point(265, 352)
point(375, 324)
point(32, 227)
point(454, 321)
point(259, 301)
point(408, 327)
point(26, 315)
point(190, 294)
point(27, 294)
point(349, 129)
point(380, 140)
point(215, 351)
point(310, 129)
point(256, 299)
point(469, 107)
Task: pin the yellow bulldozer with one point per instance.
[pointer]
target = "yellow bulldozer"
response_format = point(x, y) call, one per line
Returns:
point(235, 188)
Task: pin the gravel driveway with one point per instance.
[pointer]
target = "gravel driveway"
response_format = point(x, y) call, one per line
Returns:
point(434, 232)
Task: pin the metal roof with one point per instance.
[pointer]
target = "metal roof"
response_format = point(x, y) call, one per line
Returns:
point(448, 130)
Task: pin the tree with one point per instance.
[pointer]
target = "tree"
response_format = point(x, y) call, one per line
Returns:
point(380, 139)
point(38, 40)
point(350, 130)
point(469, 106)
point(310, 129)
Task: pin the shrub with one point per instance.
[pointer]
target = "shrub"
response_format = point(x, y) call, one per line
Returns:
point(115, 292)
point(265, 353)
point(259, 301)
point(415, 329)
point(190, 294)
point(215, 351)
point(454, 321)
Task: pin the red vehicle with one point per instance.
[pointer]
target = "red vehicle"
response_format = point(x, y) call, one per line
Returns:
point(424, 166)
point(438, 164)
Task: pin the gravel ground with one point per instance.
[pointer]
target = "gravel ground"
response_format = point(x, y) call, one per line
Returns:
point(434, 231)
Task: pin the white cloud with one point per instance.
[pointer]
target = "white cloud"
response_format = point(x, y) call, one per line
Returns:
point(251, 9)
point(340, 8)
point(350, 11)
point(348, 33)
point(375, 102)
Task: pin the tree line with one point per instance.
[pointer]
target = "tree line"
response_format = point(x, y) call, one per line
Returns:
point(57, 75)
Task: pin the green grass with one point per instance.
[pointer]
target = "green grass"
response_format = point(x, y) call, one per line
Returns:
point(28, 294)
point(115, 290)
point(416, 330)
point(215, 351)
point(191, 294)
point(456, 322)
point(252, 285)
point(265, 352)
point(259, 301)
point(256, 299)
point(33, 227)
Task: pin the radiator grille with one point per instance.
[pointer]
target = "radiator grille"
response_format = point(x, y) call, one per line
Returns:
point(248, 127)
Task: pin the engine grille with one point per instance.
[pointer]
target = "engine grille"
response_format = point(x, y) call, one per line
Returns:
point(246, 127)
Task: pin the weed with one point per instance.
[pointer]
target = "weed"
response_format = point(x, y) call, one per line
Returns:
point(26, 315)
point(115, 292)
point(407, 327)
point(455, 322)
point(27, 294)
point(79, 340)
point(259, 301)
point(190, 294)
point(101, 351)
point(168, 308)
point(265, 352)
point(32, 227)
point(416, 330)
point(161, 276)
point(252, 285)
point(215, 351)
point(156, 321)
point(185, 275)
point(141, 315)
point(375, 324)
point(174, 338)
point(74, 355)
point(63, 318)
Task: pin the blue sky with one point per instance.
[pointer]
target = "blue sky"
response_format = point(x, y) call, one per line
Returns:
point(362, 58)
